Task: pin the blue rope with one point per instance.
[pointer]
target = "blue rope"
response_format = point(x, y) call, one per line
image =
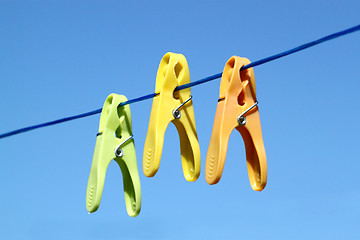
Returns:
point(274, 57)
point(198, 82)
point(192, 84)
point(26, 129)
point(302, 47)
point(151, 95)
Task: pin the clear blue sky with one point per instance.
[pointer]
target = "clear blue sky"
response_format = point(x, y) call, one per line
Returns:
point(63, 58)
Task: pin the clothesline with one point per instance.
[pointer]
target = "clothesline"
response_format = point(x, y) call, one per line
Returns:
point(192, 84)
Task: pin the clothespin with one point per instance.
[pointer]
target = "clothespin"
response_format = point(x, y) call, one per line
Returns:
point(176, 107)
point(115, 141)
point(237, 108)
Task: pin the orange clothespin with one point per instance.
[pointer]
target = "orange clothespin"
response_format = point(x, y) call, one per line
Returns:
point(237, 108)
point(176, 107)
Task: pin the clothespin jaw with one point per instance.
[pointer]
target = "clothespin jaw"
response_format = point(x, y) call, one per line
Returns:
point(237, 108)
point(176, 107)
point(115, 141)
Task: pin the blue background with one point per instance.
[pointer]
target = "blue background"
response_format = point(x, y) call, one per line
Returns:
point(63, 58)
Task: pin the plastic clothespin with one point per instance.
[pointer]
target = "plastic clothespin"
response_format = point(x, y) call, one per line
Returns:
point(115, 141)
point(237, 108)
point(176, 107)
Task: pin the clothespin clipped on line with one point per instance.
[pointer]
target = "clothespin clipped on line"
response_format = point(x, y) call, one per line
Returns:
point(237, 108)
point(176, 107)
point(115, 141)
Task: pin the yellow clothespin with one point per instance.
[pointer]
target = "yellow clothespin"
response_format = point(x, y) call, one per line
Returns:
point(237, 108)
point(176, 107)
point(115, 141)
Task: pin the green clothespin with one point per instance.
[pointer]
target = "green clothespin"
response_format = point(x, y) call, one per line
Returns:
point(115, 141)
